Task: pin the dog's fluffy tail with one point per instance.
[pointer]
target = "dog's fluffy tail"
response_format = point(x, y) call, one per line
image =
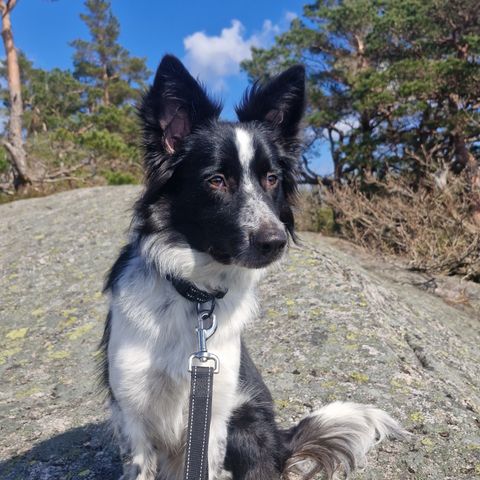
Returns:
point(337, 438)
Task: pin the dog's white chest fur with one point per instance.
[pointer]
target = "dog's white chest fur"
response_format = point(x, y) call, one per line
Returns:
point(152, 336)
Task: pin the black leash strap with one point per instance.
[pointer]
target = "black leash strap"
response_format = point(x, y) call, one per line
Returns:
point(200, 409)
point(200, 413)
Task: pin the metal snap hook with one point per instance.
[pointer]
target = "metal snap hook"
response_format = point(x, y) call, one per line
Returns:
point(204, 314)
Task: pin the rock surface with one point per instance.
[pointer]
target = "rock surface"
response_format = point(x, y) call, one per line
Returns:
point(333, 328)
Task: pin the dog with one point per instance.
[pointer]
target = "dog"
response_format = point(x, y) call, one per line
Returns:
point(216, 211)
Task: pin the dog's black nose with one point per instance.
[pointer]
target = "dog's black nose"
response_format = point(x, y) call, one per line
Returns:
point(269, 242)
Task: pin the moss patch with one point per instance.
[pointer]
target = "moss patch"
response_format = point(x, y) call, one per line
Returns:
point(17, 333)
point(80, 331)
point(359, 377)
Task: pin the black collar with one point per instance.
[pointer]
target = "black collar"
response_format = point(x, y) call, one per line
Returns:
point(191, 292)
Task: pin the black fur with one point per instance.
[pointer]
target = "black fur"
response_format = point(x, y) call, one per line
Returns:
point(256, 448)
point(186, 148)
point(126, 254)
point(176, 201)
point(174, 84)
point(102, 365)
point(282, 100)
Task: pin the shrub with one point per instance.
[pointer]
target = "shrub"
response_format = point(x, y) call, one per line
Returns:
point(4, 163)
point(313, 215)
point(119, 178)
point(435, 228)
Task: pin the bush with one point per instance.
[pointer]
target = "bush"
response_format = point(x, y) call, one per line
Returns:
point(4, 163)
point(313, 215)
point(107, 144)
point(436, 229)
point(119, 178)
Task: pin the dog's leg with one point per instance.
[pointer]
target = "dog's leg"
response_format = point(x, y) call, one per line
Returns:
point(254, 451)
point(255, 447)
point(217, 449)
point(140, 463)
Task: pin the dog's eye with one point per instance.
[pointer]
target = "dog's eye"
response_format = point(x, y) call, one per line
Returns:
point(272, 180)
point(218, 182)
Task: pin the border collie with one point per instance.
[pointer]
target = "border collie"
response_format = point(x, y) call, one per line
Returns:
point(216, 211)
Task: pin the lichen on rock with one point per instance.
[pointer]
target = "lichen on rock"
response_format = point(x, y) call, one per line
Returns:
point(336, 325)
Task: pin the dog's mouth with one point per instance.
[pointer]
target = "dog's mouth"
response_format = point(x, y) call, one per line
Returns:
point(221, 256)
point(257, 263)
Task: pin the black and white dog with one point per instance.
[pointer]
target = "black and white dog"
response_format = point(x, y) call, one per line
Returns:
point(216, 212)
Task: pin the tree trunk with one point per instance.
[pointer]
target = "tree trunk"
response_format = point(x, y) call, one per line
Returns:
point(14, 144)
point(106, 87)
point(464, 158)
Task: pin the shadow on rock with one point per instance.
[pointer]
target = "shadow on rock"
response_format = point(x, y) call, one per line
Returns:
point(82, 453)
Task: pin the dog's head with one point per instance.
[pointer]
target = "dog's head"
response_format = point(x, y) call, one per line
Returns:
point(223, 188)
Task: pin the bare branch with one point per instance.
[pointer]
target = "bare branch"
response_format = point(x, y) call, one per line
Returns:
point(8, 7)
point(61, 179)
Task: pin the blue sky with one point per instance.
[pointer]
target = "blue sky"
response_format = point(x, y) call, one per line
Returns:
point(210, 36)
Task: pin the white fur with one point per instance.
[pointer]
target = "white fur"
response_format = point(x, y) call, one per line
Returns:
point(152, 336)
point(244, 144)
point(256, 211)
point(353, 427)
point(365, 425)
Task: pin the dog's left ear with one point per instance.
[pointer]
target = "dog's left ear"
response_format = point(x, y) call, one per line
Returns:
point(279, 102)
point(172, 108)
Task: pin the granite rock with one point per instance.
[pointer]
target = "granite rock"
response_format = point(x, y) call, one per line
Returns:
point(333, 326)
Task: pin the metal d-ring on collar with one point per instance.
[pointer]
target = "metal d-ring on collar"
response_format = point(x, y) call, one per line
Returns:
point(204, 332)
point(205, 302)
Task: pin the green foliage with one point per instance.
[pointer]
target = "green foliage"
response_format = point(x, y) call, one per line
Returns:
point(313, 214)
point(4, 163)
point(119, 178)
point(393, 84)
point(113, 76)
point(106, 143)
point(49, 97)
point(122, 121)
point(325, 221)
point(80, 125)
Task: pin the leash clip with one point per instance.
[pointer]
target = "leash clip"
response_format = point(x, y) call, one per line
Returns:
point(203, 334)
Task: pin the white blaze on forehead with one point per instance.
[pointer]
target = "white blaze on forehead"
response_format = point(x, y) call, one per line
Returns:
point(244, 143)
point(255, 211)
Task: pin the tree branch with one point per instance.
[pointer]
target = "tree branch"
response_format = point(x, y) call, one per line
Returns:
point(6, 9)
point(9, 147)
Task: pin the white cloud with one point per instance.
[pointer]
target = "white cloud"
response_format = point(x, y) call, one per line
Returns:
point(289, 16)
point(213, 58)
point(344, 126)
point(348, 124)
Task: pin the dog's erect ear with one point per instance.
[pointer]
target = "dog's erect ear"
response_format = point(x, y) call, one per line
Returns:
point(173, 107)
point(279, 102)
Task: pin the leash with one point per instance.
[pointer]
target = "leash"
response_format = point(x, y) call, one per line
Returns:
point(200, 410)
point(201, 382)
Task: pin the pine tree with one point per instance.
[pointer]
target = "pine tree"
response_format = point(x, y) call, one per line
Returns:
point(394, 84)
point(50, 97)
point(112, 75)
